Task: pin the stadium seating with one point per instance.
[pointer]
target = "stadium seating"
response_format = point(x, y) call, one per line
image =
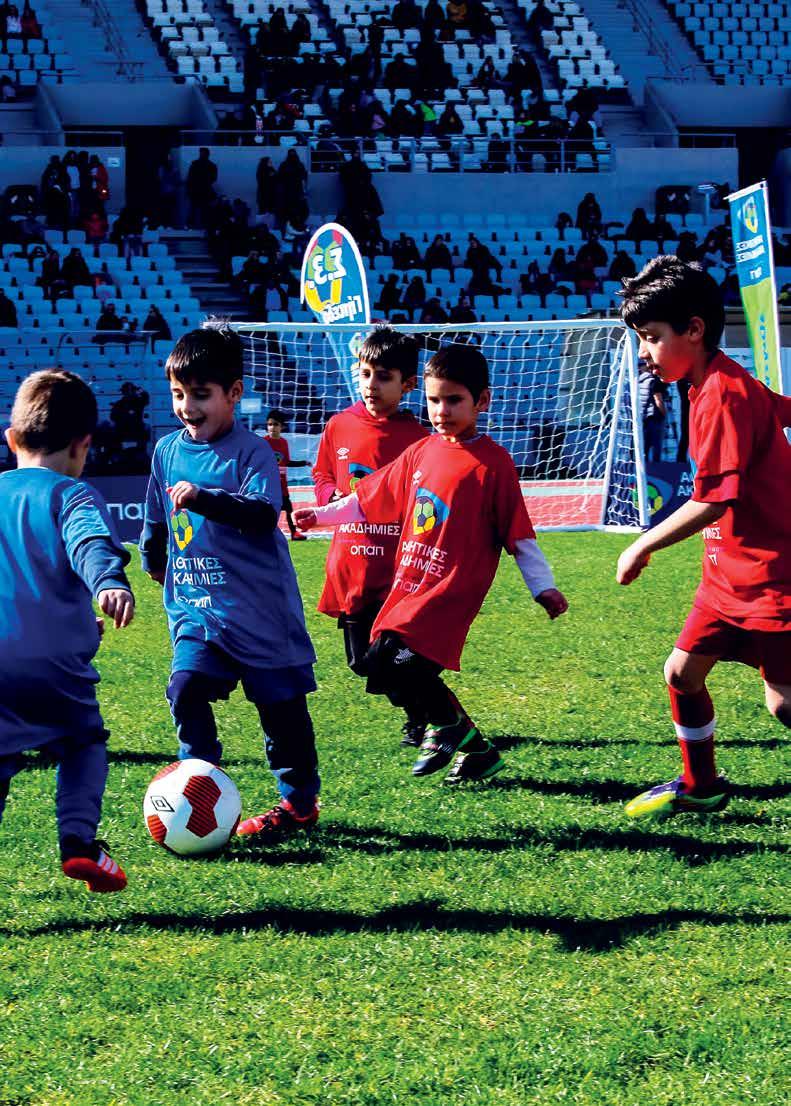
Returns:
point(742, 43)
point(188, 33)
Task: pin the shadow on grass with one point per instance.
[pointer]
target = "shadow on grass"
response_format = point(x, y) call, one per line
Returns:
point(573, 934)
point(377, 841)
point(615, 791)
point(515, 741)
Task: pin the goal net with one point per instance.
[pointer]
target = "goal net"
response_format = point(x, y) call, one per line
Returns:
point(564, 404)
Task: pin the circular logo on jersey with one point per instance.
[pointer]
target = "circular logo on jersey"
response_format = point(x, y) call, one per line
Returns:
point(356, 473)
point(429, 513)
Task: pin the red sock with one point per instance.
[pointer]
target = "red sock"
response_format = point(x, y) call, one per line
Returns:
point(693, 717)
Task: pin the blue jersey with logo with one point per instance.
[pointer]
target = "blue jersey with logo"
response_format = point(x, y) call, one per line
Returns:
point(48, 631)
point(236, 590)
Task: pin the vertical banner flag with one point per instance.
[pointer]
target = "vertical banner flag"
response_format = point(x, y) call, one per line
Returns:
point(752, 245)
point(334, 287)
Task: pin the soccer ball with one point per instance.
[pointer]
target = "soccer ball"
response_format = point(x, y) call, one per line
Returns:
point(192, 807)
point(425, 516)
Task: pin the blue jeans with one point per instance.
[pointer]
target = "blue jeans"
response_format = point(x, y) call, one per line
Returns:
point(81, 777)
point(278, 695)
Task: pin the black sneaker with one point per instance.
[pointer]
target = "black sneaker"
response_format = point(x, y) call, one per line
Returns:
point(441, 742)
point(475, 766)
point(413, 732)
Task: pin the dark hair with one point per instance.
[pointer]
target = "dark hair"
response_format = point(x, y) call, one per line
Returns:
point(668, 290)
point(213, 355)
point(464, 364)
point(52, 409)
point(276, 415)
point(389, 349)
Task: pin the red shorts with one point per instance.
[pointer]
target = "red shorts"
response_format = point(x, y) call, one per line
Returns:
point(769, 651)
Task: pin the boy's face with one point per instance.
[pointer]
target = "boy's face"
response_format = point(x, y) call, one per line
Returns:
point(206, 410)
point(452, 410)
point(382, 389)
point(273, 428)
point(669, 355)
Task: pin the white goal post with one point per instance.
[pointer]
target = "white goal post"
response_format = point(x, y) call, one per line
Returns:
point(564, 403)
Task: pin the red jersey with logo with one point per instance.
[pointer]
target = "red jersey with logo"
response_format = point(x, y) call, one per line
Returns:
point(737, 442)
point(361, 558)
point(282, 456)
point(460, 504)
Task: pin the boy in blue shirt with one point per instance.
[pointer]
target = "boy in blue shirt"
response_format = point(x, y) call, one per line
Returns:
point(234, 610)
point(59, 549)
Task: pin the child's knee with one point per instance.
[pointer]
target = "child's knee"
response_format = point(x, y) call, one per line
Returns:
point(679, 678)
point(187, 689)
point(779, 705)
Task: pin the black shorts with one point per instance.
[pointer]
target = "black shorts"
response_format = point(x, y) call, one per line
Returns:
point(288, 506)
point(357, 636)
point(395, 669)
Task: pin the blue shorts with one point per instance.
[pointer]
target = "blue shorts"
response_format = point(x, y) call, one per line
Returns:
point(260, 685)
point(41, 703)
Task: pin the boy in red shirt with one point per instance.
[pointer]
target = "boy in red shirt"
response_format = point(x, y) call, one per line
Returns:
point(742, 609)
point(458, 497)
point(275, 425)
point(356, 442)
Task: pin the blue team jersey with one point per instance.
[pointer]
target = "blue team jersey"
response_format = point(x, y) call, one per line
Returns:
point(48, 631)
point(236, 590)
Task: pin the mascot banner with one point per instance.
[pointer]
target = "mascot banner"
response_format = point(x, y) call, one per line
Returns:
point(334, 287)
point(752, 247)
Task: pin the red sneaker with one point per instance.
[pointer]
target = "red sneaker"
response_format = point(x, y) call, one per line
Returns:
point(278, 822)
point(98, 870)
point(299, 537)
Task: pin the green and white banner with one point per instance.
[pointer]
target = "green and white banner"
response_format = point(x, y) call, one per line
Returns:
point(752, 246)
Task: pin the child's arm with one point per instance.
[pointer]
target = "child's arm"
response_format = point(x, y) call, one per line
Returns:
point(689, 519)
point(250, 514)
point(98, 564)
point(537, 574)
point(325, 483)
point(332, 514)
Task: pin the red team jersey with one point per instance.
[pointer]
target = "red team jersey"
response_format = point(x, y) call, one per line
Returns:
point(460, 504)
point(282, 456)
point(361, 557)
point(737, 442)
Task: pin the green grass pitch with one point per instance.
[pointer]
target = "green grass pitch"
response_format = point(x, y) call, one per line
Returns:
point(512, 944)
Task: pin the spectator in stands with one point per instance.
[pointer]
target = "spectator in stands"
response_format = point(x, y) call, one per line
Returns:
point(640, 228)
point(292, 180)
point(157, 325)
point(449, 122)
point(498, 154)
point(169, 180)
point(405, 14)
point(457, 12)
point(266, 186)
point(7, 311)
point(663, 230)
point(127, 416)
point(100, 179)
point(253, 271)
point(103, 283)
point(433, 314)
point(592, 253)
point(732, 293)
point(405, 253)
point(72, 170)
point(50, 279)
point(480, 258)
point(127, 232)
point(400, 74)
point(438, 257)
point(434, 74)
point(523, 75)
point(390, 296)
point(588, 214)
point(13, 23)
point(622, 266)
point(55, 192)
point(433, 18)
point(327, 154)
point(540, 19)
point(535, 281)
point(462, 312)
point(479, 22)
point(584, 104)
point(108, 323)
point(75, 269)
point(30, 25)
point(94, 223)
point(300, 30)
point(405, 120)
point(414, 296)
point(559, 269)
point(8, 91)
point(201, 179)
point(687, 248)
point(487, 76)
point(712, 252)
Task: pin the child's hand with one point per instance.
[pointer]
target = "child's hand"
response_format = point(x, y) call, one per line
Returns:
point(118, 604)
point(158, 577)
point(553, 601)
point(305, 518)
point(183, 493)
point(631, 563)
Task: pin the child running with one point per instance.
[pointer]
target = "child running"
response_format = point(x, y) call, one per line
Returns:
point(458, 497)
point(59, 548)
point(275, 425)
point(742, 609)
point(231, 596)
point(356, 442)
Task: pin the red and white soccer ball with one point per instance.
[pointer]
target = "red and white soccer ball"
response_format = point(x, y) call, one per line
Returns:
point(192, 807)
